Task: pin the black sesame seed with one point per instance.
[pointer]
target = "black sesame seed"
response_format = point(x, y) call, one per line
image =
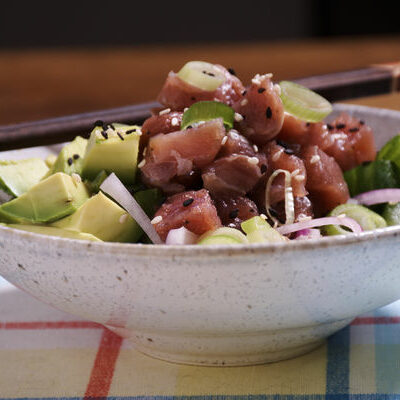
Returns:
point(251, 210)
point(211, 74)
point(70, 161)
point(189, 127)
point(362, 122)
point(366, 163)
point(234, 213)
point(231, 71)
point(187, 202)
point(268, 113)
point(329, 126)
point(131, 131)
point(263, 168)
point(193, 98)
point(289, 151)
point(186, 222)
point(273, 212)
point(99, 122)
point(120, 136)
point(148, 133)
point(281, 143)
point(75, 156)
point(261, 90)
point(355, 129)
point(307, 124)
point(244, 92)
point(340, 126)
point(104, 134)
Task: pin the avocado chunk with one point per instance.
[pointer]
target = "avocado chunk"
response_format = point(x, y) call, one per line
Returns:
point(53, 198)
point(224, 235)
point(52, 231)
point(17, 177)
point(70, 158)
point(112, 150)
point(50, 160)
point(104, 219)
point(260, 231)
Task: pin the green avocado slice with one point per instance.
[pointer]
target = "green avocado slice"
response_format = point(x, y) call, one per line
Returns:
point(53, 198)
point(17, 177)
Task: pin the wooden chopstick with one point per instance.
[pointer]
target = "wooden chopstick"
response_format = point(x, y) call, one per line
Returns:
point(377, 79)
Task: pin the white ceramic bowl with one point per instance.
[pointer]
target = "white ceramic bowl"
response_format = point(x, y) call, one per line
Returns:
point(222, 305)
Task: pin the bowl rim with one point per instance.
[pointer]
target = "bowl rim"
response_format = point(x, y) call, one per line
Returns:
point(194, 251)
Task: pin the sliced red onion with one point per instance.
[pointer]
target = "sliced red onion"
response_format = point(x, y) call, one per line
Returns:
point(306, 234)
point(313, 223)
point(181, 236)
point(116, 189)
point(379, 196)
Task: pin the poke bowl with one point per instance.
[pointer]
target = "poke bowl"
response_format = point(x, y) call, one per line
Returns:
point(222, 304)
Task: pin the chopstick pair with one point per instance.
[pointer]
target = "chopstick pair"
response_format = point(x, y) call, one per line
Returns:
point(374, 80)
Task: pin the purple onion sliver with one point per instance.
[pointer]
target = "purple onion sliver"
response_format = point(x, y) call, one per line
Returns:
point(378, 196)
point(116, 189)
point(306, 234)
point(313, 223)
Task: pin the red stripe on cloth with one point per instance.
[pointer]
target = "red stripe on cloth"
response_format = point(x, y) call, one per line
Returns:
point(50, 325)
point(104, 366)
point(376, 320)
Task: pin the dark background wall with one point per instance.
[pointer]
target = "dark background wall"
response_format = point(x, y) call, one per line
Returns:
point(96, 23)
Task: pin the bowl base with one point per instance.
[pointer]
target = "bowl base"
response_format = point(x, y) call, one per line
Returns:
point(227, 350)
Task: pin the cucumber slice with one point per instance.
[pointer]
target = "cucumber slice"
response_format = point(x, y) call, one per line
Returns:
point(391, 150)
point(303, 103)
point(367, 219)
point(380, 174)
point(202, 74)
point(223, 236)
point(391, 214)
point(259, 231)
point(206, 111)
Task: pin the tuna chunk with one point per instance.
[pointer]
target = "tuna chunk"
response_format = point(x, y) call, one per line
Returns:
point(302, 209)
point(233, 211)
point(262, 110)
point(231, 176)
point(181, 154)
point(325, 181)
point(194, 210)
point(236, 144)
point(353, 142)
point(177, 94)
point(295, 131)
point(164, 123)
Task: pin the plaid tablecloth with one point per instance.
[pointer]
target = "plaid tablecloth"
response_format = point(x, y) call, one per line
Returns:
point(45, 353)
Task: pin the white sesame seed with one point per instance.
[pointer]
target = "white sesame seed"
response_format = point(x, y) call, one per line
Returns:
point(341, 216)
point(277, 155)
point(144, 151)
point(142, 163)
point(123, 218)
point(253, 160)
point(76, 178)
point(263, 216)
point(156, 220)
point(244, 102)
point(234, 135)
point(255, 148)
point(295, 172)
point(238, 117)
point(299, 178)
point(165, 111)
point(174, 121)
point(336, 136)
point(224, 140)
point(314, 159)
point(185, 109)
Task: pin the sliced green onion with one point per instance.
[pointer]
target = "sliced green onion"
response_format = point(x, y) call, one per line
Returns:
point(202, 74)
point(260, 231)
point(367, 219)
point(391, 150)
point(303, 103)
point(223, 235)
point(206, 111)
point(379, 174)
point(289, 199)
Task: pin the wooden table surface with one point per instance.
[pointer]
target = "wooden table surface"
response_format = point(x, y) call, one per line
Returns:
point(37, 84)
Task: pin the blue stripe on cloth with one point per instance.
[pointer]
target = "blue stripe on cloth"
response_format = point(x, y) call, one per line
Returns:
point(337, 396)
point(338, 364)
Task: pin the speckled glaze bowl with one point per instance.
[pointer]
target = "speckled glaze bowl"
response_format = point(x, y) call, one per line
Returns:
point(219, 305)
